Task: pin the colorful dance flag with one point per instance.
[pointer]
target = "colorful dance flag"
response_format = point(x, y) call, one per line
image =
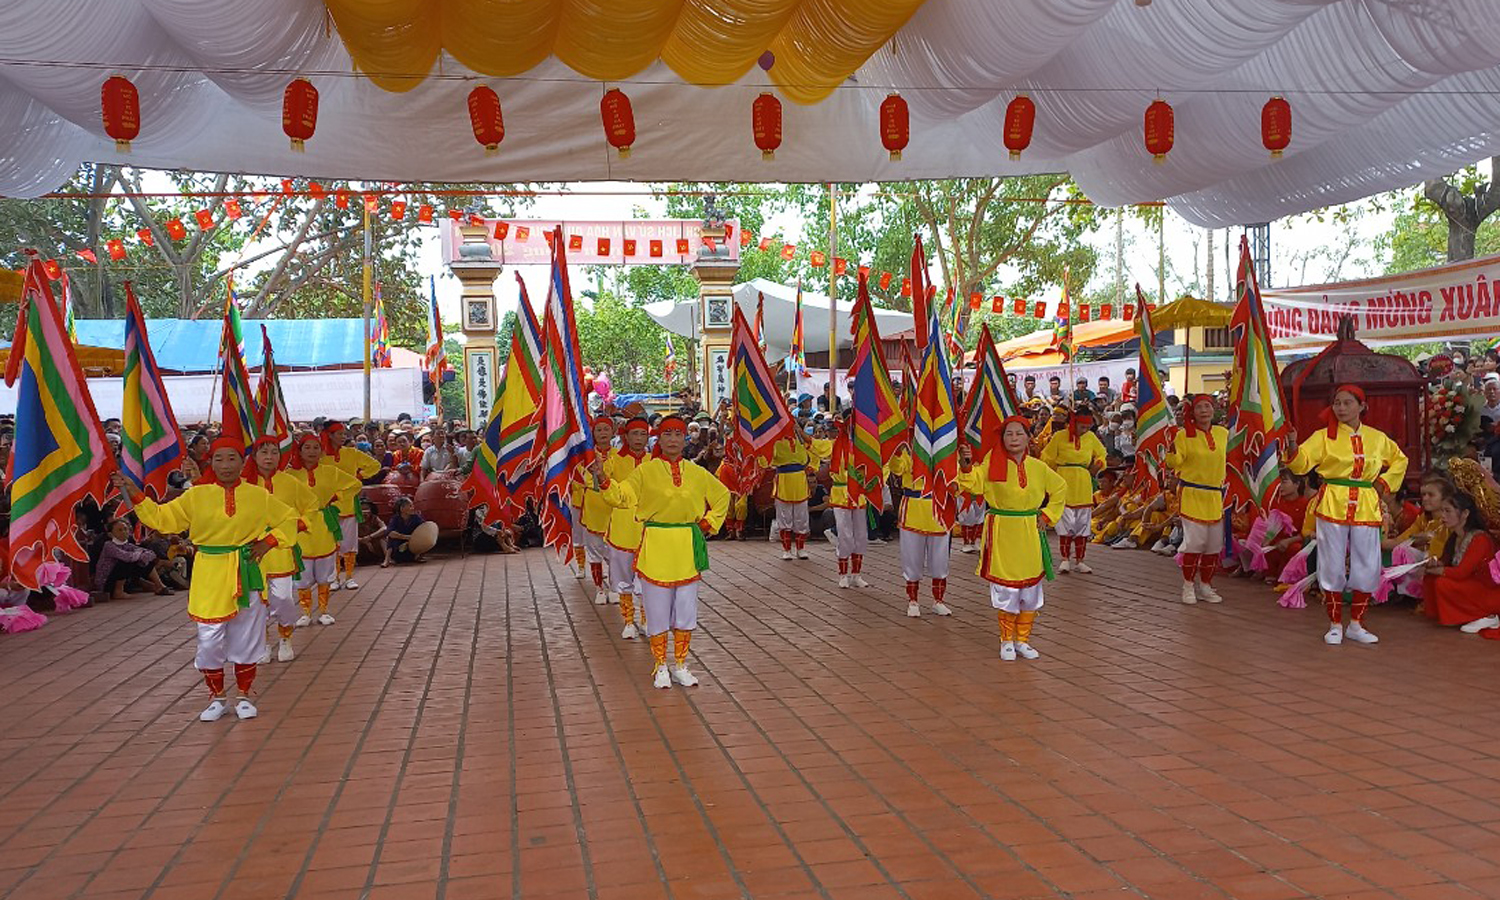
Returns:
point(920, 299)
point(760, 322)
point(1257, 409)
point(877, 426)
point(59, 457)
point(380, 334)
point(991, 400)
point(274, 419)
point(796, 360)
point(670, 363)
point(241, 420)
point(935, 429)
point(761, 417)
point(151, 445)
point(506, 458)
point(1153, 422)
point(908, 383)
point(435, 361)
point(67, 304)
point(565, 437)
point(1062, 329)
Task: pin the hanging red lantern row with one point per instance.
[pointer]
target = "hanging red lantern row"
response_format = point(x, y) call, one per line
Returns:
point(1160, 130)
point(1020, 118)
point(120, 107)
point(895, 125)
point(299, 112)
point(1276, 125)
point(765, 124)
point(486, 119)
point(619, 121)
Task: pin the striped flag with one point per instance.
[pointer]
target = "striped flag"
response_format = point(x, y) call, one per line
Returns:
point(237, 411)
point(877, 424)
point(919, 296)
point(380, 334)
point(990, 401)
point(1257, 409)
point(505, 463)
point(59, 457)
point(151, 445)
point(935, 428)
point(908, 384)
point(274, 419)
point(1062, 329)
point(67, 304)
point(566, 438)
point(670, 364)
point(1153, 420)
point(435, 360)
point(761, 417)
point(796, 360)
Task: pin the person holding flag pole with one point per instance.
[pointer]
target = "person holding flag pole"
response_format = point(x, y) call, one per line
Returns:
point(282, 565)
point(1197, 456)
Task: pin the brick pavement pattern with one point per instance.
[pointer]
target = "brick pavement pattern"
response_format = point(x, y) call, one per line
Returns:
point(475, 728)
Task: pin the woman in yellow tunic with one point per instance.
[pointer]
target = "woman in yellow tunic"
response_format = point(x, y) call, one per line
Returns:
point(678, 503)
point(1354, 461)
point(1197, 456)
point(279, 567)
point(360, 465)
point(1075, 454)
point(595, 513)
point(925, 541)
point(320, 542)
point(1022, 498)
point(234, 525)
point(792, 460)
point(623, 534)
point(851, 533)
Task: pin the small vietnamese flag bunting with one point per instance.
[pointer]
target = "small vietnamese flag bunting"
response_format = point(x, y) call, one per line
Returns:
point(1083, 313)
point(684, 247)
point(975, 299)
point(53, 270)
point(603, 247)
point(232, 209)
point(818, 259)
point(885, 281)
point(205, 219)
point(144, 234)
point(629, 246)
point(88, 255)
point(840, 266)
point(906, 287)
point(1019, 305)
point(116, 249)
point(175, 229)
point(1041, 309)
point(398, 210)
point(523, 234)
point(341, 199)
point(424, 213)
point(765, 243)
point(745, 238)
point(1129, 311)
point(788, 251)
point(656, 248)
point(711, 244)
point(575, 243)
point(501, 230)
point(1105, 311)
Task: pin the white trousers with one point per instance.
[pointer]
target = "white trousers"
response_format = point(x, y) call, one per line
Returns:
point(240, 640)
point(1200, 537)
point(316, 571)
point(853, 532)
point(792, 517)
point(972, 513)
point(1075, 521)
point(622, 579)
point(598, 551)
point(348, 535)
point(924, 553)
point(281, 598)
point(670, 608)
point(1016, 600)
point(1359, 545)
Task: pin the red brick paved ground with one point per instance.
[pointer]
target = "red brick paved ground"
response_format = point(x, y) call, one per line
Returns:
point(476, 729)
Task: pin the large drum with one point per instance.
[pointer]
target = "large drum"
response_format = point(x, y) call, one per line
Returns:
point(444, 501)
point(384, 496)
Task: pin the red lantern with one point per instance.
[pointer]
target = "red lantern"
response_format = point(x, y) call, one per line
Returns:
point(1020, 118)
point(121, 107)
point(619, 121)
point(299, 112)
point(1160, 130)
point(765, 123)
point(484, 115)
point(1276, 125)
point(895, 126)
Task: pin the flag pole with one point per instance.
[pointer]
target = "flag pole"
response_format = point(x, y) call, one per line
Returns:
point(833, 303)
point(213, 389)
point(368, 242)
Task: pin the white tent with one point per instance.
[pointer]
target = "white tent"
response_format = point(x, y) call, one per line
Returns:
point(780, 309)
point(1383, 93)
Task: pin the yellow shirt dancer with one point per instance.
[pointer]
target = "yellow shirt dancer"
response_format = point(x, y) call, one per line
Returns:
point(280, 566)
point(360, 465)
point(679, 503)
point(1198, 457)
point(319, 544)
point(1022, 497)
point(234, 525)
point(1354, 461)
point(595, 514)
point(623, 534)
point(792, 460)
point(848, 516)
point(925, 541)
point(1076, 454)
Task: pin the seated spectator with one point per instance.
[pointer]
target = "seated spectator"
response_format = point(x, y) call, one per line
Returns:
point(1458, 588)
point(122, 562)
point(399, 532)
point(439, 459)
point(484, 538)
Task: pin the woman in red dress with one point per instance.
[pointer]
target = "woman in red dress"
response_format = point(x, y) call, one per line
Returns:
point(1459, 589)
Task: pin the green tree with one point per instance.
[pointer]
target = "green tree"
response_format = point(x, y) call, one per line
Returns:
point(1465, 201)
point(623, 341)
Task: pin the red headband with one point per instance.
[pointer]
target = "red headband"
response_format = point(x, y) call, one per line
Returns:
point(636, 423)
point(604, 420)
point(1078, 418)
point(304, 438)
point(1191, 426)
point(1000, 459)
point(671, 423)
point(225, 443)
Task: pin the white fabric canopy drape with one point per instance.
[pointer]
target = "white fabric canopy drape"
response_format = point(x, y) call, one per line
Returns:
point(1384, 93)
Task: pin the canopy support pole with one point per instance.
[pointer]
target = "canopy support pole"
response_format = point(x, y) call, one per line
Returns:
point(368, 242)
point(833, 303)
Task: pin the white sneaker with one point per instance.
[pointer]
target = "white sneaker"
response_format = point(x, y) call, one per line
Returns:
point(336, 586)
point(304, 621)
point(265, 656)
point(1357, 633)
point(941, 609)
point(786, 554)
point(1207, 594)
point(612, 598)
point(858, 580)
point(802, 553)
point(1189, 595)
point(352, 585)
point(662, 678)
point(682, 676)
point(1159, 546)
point(1083, 568)
point(601, 597)
point(325, 619)
point(577, 572)
point(214, 711)
point(844, 582)
point(1065, 566)
point(1335, 635)
point(284, 651)
point(1027, 651)
point(629, 632)
point(1008, 651)
point(245, 709)
point(966, 548)
point(1479, 625)
point(913, 611)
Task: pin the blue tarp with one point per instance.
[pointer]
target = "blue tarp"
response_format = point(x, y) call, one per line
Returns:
point(186, 345)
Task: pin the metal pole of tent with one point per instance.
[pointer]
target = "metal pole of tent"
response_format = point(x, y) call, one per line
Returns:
point(368, 242)
point(833, 303)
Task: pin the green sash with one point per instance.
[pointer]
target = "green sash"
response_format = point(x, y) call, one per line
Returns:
point(251, 579)
point(1041, 535)
point(700, 544)
point(331, 521)
point(1349, 482)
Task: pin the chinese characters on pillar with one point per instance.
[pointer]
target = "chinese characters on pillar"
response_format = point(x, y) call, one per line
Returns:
point(481, 384)
point(718, 377)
